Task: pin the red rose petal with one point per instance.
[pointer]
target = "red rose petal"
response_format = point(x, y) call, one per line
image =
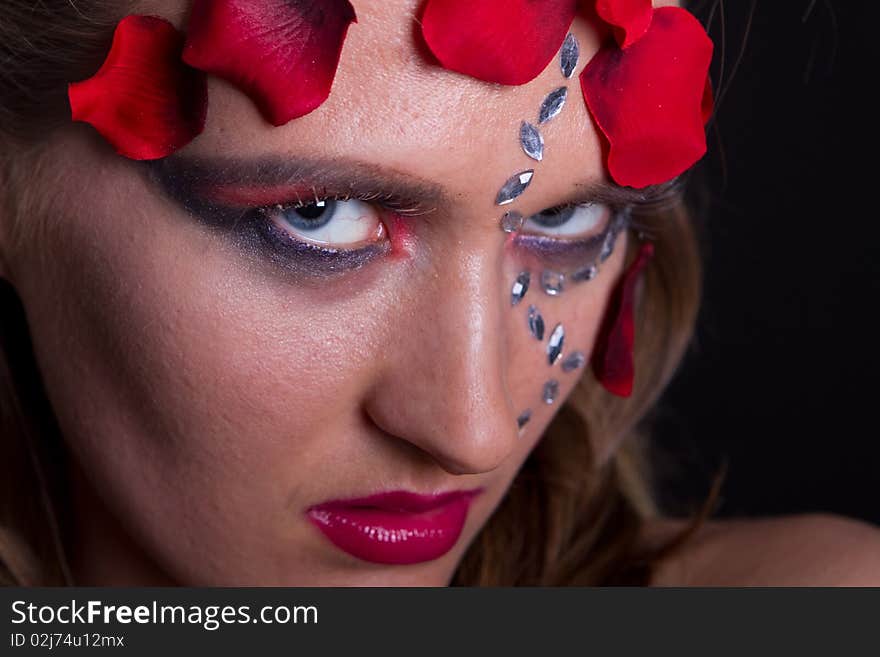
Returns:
point(708, 105)
point(144, 100)
point(630, 19)
point(650, 99)
point(282, 53)
point(504, 41)
point(612, 358)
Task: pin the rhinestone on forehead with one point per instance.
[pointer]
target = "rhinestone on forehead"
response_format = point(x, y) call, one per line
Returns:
point(551, 391)
point(514, 187)
point(532, 141)
point(568, 59)
point(553, 104)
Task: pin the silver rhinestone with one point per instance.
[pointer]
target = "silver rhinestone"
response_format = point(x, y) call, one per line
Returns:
point(536, 323)
point(555, 343)
point(552, 104)
point(520, 287)
point(571, 52)
point(553, 282)
point(620, 222)
point(551, 391)
point(523, 419)
point(512, 221)
point(574, 362)
point(532, 141)
point(514, 187)
point(588, 273)
point(607, 247)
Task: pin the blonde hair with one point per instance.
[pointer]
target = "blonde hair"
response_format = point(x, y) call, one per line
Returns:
point(567, 519)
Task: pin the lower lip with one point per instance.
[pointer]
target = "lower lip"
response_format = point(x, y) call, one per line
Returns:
point(395, 528)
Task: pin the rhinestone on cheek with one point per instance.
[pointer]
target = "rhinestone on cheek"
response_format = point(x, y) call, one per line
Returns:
point(555, 344)
point(551, 391)
point(574, 362)
point(520, 287)
point(588, 273)
point(552, 282)
point(523, 419)
point(536, 323)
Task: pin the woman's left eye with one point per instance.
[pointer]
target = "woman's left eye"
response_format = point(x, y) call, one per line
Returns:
point(569, 221)
point(331, 223)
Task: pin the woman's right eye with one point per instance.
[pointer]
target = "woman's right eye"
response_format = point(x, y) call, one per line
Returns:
point(337, 224)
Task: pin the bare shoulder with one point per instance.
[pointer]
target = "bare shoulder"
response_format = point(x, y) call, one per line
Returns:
point(798, 550)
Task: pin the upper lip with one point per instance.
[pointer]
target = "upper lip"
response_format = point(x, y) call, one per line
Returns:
point(400, 501)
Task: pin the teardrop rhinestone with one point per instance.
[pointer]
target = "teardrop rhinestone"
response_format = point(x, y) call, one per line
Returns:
point(512, 221)
point(551, 391)
point(553, 282)
point(532, 141)
point(617, 227)
point(607, 247)
point(588, 273)
point(553, 104)
point(514, 187)
point(568, 59)
point(555, 344)
point(520, 287)
point(536, 323)
point(574, 362)
point(523, 419)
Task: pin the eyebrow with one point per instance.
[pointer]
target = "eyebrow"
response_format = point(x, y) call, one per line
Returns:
point(358, 179)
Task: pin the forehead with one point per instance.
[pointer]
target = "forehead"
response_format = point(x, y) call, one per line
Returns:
point(391, 104)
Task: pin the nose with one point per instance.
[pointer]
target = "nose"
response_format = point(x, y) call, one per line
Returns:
point(443, 385)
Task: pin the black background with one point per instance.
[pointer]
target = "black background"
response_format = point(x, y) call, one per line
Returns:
point(782, 380)
point(487, 621)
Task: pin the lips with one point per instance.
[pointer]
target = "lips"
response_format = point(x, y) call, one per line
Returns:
point(397, 527)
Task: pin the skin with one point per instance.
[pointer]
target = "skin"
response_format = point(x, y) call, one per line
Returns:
point(208, 398)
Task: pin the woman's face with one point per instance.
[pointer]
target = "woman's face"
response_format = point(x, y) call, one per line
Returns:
point(216, 380)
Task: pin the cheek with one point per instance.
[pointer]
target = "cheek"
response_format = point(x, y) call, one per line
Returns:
point(195, 396)
point(538, 387)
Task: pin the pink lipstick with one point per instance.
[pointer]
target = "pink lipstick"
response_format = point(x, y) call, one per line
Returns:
point(397, 527)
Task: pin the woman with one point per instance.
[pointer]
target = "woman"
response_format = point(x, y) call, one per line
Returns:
point(370, 337)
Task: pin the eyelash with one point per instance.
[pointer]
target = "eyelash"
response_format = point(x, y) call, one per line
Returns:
point(387, 202)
